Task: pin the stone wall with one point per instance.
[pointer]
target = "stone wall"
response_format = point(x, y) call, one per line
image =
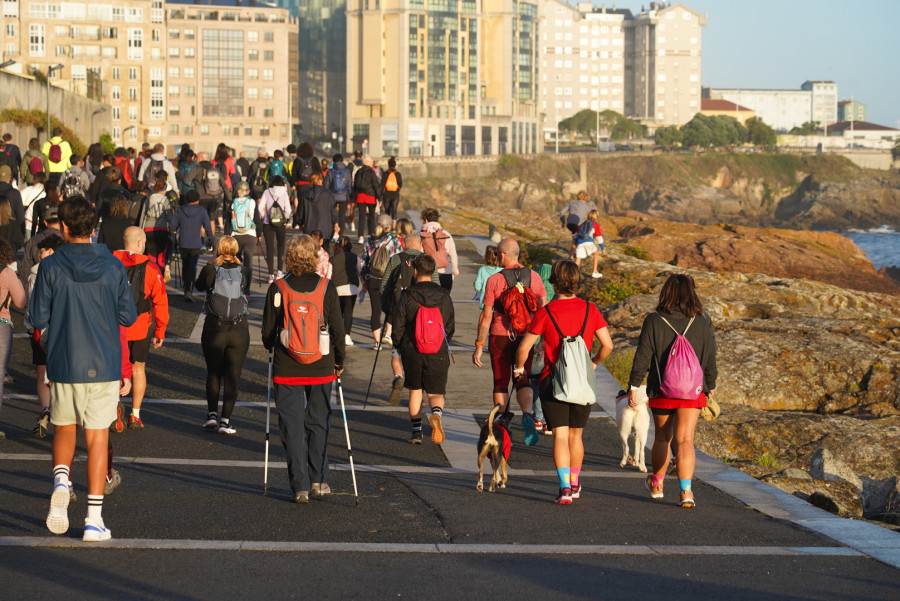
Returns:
point(26, 93)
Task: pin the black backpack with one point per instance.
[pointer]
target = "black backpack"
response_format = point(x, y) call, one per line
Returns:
point(401, 278)
point(305, 171)
point(150, 172)
point(136, 276)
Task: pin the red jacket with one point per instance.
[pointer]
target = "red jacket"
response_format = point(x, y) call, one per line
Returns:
point(124, 167)
point(155, 289)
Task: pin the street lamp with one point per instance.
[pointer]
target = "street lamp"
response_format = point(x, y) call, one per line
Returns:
point(341, 129)
point(50, 71)
point(102, 109)
point(6, 64)
point(124, 131)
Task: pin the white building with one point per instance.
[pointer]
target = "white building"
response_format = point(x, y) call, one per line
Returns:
point(785, 109)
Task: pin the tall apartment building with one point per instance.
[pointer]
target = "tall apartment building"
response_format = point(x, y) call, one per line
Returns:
point(785, 109)
point(147, 60)
point(323, 66)
point(442, 78)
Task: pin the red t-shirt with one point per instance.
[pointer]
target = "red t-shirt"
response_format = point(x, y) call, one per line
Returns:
point(569, 316)
point(495, 286)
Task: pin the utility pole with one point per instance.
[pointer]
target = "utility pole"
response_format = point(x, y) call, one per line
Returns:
point(556, 104)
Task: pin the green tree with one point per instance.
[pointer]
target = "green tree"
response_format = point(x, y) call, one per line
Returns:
point(667, 137)
point(807, 129)
point(759, 133)
point(584, 122)
point(107, 143)
point(697, 132)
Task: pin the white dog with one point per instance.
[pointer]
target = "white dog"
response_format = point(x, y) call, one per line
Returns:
point(635, 420)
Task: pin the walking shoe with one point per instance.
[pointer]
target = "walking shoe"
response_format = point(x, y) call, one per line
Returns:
point(8, 379)
point(167, 277)
point(656, 492)
point(539, 426)
point(576, 491)
point(396, 391)
point(416, 437)
point(212, 421)
point(347, 340)
point(687, 499)
point(111, 483)
point(43, 423)
point(302, 497)
point(565, 497)
point(437, 429)
point(226, 428)
point(73, 498)
point(387, 340)
point(188, 298)
point(596, 275)
point(135, 423)
point(319, 490)
point(361, 240)
point(531, 435)
point(94, 532)
point(58, 516)
point(120, 418)
point(272, 278)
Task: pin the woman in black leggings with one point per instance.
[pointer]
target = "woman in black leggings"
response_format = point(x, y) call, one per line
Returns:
point(345, 277)
point(276, 195)
point(226, 334)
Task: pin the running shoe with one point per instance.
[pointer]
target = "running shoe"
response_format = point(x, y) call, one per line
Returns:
point(58, 516)
point(687, 499)
point(112, 482)
point(120, 418)
point(416, 437)
point(361, 240)
point(302, 497)
point(135, 423)
point(226, 428)
point(437, 428)
point(42, 425)
point(656, 492)
point(565, 497)
point(531, 435)
point(347, 340)
point(387, 340)
point(539, 426)
point(95, 532)
point(396, 391)
point(188, 298)
point(212, 421)
point(596, 275)
point(319, 490)
point(576, 491)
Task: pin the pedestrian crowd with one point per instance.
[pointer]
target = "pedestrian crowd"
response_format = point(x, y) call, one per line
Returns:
point(94, 310)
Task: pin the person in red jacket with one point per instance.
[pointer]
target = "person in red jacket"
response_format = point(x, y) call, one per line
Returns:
point(153, 301)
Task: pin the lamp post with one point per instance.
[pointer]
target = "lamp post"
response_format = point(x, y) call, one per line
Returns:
point(124, 131)
point(6, 64)
point(341, 128)
point(50, 71)
point(102, 109)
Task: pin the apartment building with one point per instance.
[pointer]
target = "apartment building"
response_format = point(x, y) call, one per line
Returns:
point(449, 78)
point(785, 109)
point(147, 59)
point(323, 67)
point(851, 110)
point(230, 75)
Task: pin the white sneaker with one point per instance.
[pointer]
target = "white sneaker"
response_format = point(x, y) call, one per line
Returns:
point(58, 517)
point(361, 240)
point(596, 275)
point(347, 340)
point(272, 278)
point(226, 428)
point(387, 340)
point(94, 533)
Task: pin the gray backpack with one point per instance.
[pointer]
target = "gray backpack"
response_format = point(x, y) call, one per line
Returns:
point(573, 374)
point(227, 300)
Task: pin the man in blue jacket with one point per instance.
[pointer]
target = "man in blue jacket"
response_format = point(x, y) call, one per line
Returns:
point(80, 297)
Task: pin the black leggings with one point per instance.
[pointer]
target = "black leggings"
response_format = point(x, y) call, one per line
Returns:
point(366, 213)
point(373, 285)
point(273, 234)
point(246, 252)
point(225, 346)
point(347, 304)
point(189, 258)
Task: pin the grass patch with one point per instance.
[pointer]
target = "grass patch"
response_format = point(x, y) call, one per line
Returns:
point(619, 365)
point(767, 460)
point(540, 255)
point(615, 288)
point(637, 252)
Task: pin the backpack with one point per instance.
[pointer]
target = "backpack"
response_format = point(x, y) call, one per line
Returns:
point(227, 300)
point(391, 183)
point(150, 172)
point(585, 231)
point(518, 301)
point(573, 373)
point(306, 169)
point(55, 154)
point(276, 214)
point(35, 165)
point(429, 330)
point(212, 182)
point(242, 215)
point(339, 181)
point(380, 259)
point(304, 335)
point(134, 208)
point(184, 168)
point(136, 276)
point(276, 168)
point(435, 245)
point(71, 185)
point(401, 278)
point(683, 378)
point(259, 177)
point(155, 208)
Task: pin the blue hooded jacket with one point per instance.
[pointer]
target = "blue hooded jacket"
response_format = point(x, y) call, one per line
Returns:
point(81, 295)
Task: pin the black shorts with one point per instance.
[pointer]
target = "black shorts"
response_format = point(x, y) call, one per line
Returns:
point(425, 372)
point(559, 414)
point(139, 349)
point(38, 356)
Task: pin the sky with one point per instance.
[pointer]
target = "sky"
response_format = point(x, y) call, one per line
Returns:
point(782, 43)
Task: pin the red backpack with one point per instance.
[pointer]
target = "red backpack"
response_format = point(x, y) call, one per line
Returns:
point(55, 154)
point(435, 244)
point(518, 301)
point(429, 330)
point(304, 335)
point(35, 165)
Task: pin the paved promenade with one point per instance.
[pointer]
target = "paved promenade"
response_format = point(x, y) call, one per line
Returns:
point(190, 521)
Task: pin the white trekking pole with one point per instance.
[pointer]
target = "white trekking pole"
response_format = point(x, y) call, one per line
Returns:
point(347, 435)
point(268, 404)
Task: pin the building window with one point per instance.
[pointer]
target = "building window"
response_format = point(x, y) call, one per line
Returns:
point(268, 112)
point(269, 36)
point(268, 74)
point(264, 131)
point(36, 39)
point(268, 93)
point(132, 73)
point(174, 90)
point(189, 34)
point(174, 34)
point(248, 131)
point(253, 55)
point(115, 93)
point(157, 93)
point(173, 129)
point(116, 113)
point(252, 92)
point(174, 72)
point(204, 130)
point(189, 91)
point(117, 133)
point(155, 35)
point(135, 43)
point(189, 52)
point(251, 111)
point(61, 50)
point(116, 73)
point(252, 36)
point(132, 94)
point(132, 113)
point(174, 51)
point(189, 72)
point(188, 130)
point(252, 73)
point(226, 130)
point(157, 12)
point(268, 55)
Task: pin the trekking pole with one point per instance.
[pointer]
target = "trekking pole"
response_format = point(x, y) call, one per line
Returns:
point(259, 252)
point(347, 435)
point(268, 403)
point(372, 377)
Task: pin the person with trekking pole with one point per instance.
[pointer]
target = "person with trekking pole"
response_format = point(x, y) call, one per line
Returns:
point(302, 323)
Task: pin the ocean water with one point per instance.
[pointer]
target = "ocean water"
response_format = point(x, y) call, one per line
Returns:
point(881, 245)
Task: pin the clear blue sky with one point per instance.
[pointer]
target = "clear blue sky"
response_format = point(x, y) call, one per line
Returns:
point(782, 43)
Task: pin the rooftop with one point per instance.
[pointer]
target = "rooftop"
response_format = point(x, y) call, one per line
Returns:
point(858, 126)
point(716, 104)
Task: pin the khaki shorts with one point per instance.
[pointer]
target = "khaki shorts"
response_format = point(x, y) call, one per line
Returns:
point(91, 405)
point(585, 250)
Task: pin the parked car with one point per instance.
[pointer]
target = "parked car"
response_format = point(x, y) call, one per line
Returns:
point(625, 147)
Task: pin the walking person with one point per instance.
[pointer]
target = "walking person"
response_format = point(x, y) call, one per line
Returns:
point(208, 181)
point(82, 295)
point(275, 211)
point(339, 182)
point(152, 308)
point(345, 277)
point(58, 152)
point(10, 231)
point(30, 195)
point(155, 215)
point(490, 267)
point(226, 332)
point(316, 208)
point(189, 225)
point(367, 187)
point(244, 218)
point(46, 246)
point(378, 249)
point(438, 243)
point(679, 312)
point(33, 162)
point(566, 316)
point(425, 345)
point(305, 366)
point(112, 229)
point(391, 184)
point(11, 293)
